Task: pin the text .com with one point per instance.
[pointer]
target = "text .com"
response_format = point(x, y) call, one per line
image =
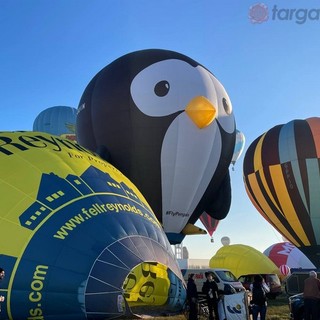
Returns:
point(259, 13)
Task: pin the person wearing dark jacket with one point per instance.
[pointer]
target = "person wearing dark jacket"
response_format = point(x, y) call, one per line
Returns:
point(259, 301)
point(192, 296)
point(210, 289)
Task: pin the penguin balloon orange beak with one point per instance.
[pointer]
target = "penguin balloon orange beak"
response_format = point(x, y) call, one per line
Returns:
point(201, 111)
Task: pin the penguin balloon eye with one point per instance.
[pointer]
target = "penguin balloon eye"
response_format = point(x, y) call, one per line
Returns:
point(162, 88)
point(226, 106)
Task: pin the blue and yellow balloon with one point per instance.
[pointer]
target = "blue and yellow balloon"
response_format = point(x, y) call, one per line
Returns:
point(79, 241)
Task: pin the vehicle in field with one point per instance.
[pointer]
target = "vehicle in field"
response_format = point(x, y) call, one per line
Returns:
point(234, 299)
point(271, 279)
point(296, 307)
point(223, 277)
point(294, 288)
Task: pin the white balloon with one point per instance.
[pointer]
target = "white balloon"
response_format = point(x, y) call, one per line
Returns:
point(225, 241)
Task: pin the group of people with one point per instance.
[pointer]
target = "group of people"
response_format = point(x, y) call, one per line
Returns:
point(210, 289)
point(258, 303)
point(311, 296)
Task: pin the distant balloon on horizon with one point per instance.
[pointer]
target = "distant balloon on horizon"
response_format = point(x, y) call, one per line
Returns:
point(285, 270)
point(225, 241)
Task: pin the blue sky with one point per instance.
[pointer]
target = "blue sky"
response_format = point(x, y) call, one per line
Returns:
point(50, 50)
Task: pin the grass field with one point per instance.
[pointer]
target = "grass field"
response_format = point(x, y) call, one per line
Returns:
point(277, 310)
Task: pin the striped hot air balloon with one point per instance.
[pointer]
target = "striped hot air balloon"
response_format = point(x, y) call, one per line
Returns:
point(282, 178)
point(284, 269)
point(209, 223)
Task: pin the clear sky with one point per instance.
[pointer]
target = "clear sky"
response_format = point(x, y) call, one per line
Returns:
point(50, 50)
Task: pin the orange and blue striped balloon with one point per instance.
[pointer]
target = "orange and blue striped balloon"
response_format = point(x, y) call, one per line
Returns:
point(282, 178)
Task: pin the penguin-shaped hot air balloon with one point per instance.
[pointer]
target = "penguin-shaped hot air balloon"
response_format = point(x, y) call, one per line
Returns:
point(167, 123)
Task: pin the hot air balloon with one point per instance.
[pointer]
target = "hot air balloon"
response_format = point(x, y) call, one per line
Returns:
point(285, 253)
point(209, 223)
point(225, 241)
point(167, 123)
point(241, 259)
point(282, 179)
point(57, 120)
point(284, 270)
point(79, 241)
point(238, 147)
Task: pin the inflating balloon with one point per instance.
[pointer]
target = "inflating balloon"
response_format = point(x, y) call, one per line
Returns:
point(58, 120)
point(285, 253)
point(242, 260)
point(282, 179)
point(167, 123)
point(209, 223)
point(238, 147)
point(79, 241)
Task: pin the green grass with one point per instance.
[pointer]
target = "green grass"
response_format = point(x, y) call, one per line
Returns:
point(277, 310)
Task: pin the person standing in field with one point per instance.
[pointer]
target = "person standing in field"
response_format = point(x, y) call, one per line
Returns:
point(210, 289)
point(258, 302)
point(192, 296)
point(311, 295)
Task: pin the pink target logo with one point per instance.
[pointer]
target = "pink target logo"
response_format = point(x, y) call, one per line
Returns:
point(258, 13)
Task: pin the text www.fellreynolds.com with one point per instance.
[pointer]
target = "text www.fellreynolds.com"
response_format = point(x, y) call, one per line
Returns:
point(94, 210)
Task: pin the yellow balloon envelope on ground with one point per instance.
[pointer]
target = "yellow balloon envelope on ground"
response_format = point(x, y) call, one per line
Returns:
point(78, 239)
point(242, 259)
